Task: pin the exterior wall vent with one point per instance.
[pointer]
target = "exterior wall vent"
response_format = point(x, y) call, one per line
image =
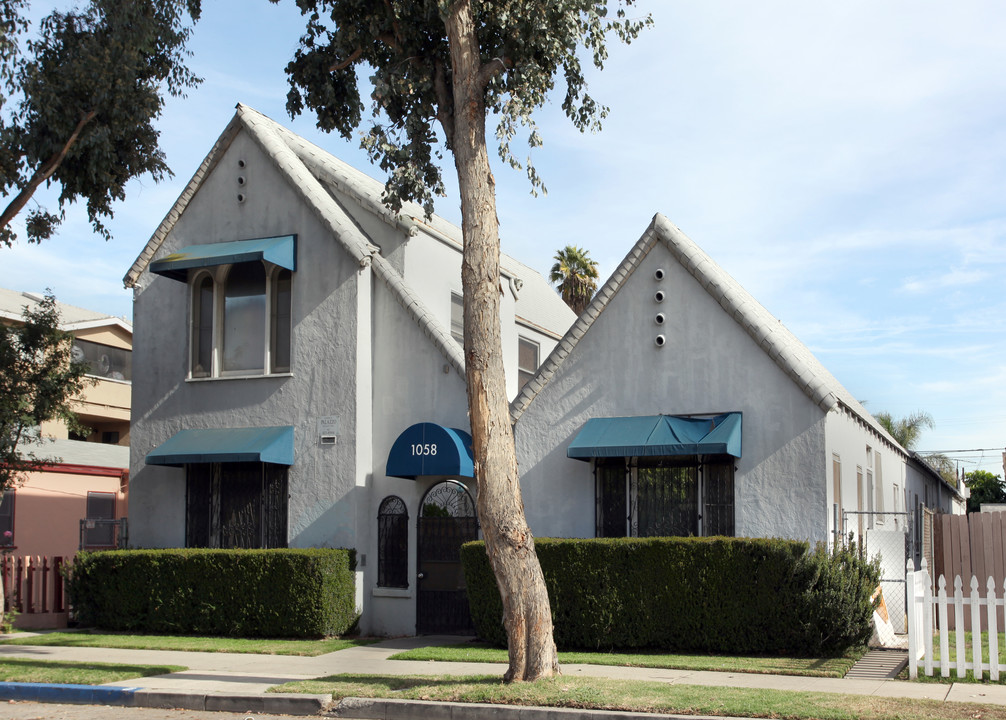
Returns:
point(658, 274)
point(658, 296)
point(659, 341)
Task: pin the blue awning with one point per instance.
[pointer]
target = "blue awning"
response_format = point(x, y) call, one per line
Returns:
point(265, 444)
point(431, 449)
point(280, 251)
point(658, 435)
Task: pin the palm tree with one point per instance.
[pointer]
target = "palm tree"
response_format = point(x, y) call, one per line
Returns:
point(575, 276)
point(906, 430)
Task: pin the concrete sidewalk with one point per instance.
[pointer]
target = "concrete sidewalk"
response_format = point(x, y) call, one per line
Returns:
point(238, 682)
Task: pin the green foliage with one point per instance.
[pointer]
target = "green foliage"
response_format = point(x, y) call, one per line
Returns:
point(575, 274)
point(985, 488)
point(524, 46)
point(907, 430)
point(84, 93)
point(38, 379)
point(721, 595)
point(241, 593)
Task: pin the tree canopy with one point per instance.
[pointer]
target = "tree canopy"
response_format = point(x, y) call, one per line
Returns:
point(523, 46)
point(575, 275)
point(38, 380)
point(907, 430)
point(985, 488)
point(78, 101)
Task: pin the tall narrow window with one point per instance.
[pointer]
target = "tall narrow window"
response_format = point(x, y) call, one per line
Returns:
point(667, 500)
point(7, 519)
point(718, 499)
point(612, 502)
point(836, 494)
point(393, 543)
point(244, 319)
point(279, 344)
point(202, 328)
point(527, 360)
point(458, 318)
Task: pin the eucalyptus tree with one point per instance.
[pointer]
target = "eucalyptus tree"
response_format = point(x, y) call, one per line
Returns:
point(78, 99)
point(575, 275)
point(437, 69)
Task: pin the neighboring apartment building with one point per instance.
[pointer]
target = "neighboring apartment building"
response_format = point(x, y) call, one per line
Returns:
point(81, 496)
point(300, 376)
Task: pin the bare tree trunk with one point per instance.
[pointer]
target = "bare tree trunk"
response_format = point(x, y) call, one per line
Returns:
point(526, 613)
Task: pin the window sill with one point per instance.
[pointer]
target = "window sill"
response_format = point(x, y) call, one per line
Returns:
point(237, 377)
point(391, 592)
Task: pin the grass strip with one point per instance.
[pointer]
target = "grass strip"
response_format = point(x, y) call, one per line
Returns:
point(76, 673)
point(807, 667)
point(259, 646)
point(640, 696)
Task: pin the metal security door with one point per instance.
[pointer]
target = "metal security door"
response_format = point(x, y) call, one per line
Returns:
point(446, 521)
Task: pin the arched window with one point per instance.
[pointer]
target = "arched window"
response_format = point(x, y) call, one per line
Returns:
point(202, 327)
point(280, 321)
point(393, 543)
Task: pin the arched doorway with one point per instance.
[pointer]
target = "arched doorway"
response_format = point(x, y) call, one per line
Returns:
point(446, 521)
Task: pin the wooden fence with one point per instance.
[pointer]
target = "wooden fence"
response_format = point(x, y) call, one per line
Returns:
point(971, 545)
point(33, 585)
point(931, 615)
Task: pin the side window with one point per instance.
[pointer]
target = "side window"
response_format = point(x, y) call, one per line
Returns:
point(7, 519)
point(280, 322)
point(393, 543)
point(457, 318)
point(527, 360)
point(202, 327)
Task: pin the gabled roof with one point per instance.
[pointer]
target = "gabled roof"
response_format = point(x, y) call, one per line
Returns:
point(791, 355)
point(13, 303)
point(308, 170)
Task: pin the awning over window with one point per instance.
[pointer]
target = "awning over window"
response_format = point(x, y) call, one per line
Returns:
point(266, 444)
point(280, 251)
point(431, 449)
point(658, 435)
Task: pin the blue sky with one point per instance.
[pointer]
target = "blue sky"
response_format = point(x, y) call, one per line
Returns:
point(844, 161)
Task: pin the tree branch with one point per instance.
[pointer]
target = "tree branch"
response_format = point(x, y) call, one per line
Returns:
point(347, 62)
point(490, 70)
point(44, 172)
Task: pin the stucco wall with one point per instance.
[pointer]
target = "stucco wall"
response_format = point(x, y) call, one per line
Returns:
point(708, 365)
point(322, 379)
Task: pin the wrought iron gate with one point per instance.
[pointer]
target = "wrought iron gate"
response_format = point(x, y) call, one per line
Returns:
point(446, 521)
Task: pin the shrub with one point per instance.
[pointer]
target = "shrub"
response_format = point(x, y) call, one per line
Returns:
point(727, 595)
point(247, 593)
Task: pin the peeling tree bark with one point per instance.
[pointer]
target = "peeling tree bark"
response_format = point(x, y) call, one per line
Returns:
point(526, 613)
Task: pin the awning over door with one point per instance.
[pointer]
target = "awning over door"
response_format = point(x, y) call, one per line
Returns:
point(280, 251)
point(431, 449)
point(658, 435)
point(266, 444)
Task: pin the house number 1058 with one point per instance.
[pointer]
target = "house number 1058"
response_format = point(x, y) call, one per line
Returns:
point(424, 449)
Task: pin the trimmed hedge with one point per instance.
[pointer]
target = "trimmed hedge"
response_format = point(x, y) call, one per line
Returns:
point(720, 595)
point(244, 593)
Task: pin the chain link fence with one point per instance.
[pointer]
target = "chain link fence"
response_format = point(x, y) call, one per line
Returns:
point(893, 537)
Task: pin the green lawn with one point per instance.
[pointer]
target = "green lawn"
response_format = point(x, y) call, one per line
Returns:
point(812, 667)
point(952, 654)
point(638, 696)
point(75, 673)
point(186, 642)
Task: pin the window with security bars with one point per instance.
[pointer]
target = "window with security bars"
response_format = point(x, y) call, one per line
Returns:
point(7, 518)
point(100, 509)
point(665, 497)
point(393, 543)
point(236, 505)
point(458, 318)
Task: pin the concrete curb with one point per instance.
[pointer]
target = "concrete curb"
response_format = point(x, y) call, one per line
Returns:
point(380, 709)
point(270, 703)
point(71, 694)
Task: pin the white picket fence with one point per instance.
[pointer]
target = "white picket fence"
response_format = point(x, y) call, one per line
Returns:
point(924, 609)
